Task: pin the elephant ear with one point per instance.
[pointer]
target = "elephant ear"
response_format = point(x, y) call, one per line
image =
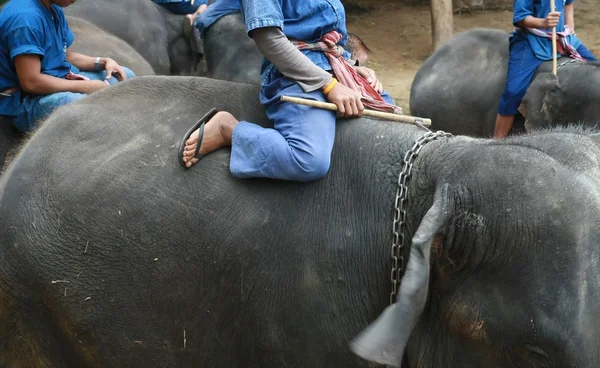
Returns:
point(539, 104)
point(384, 340)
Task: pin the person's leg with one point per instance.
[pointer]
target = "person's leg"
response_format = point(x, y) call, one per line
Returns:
point(586, 53)
point(298, 148)
point(33, 109)
point(182, 7)
point(101, 75)
point(522, 65)
point(190, 19)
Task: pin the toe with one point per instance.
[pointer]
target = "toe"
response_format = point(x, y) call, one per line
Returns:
point(191, 162)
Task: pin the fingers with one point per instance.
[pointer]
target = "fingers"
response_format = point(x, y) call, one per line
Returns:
point(552, 19)
point(355, 107)
point(108, 72)
point(122, 74)
point(379, 87)
point(341, 108)
point(360, 106)
point(373, 78)
point(368, 74)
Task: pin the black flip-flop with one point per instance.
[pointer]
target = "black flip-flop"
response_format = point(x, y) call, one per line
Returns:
point(199, 125)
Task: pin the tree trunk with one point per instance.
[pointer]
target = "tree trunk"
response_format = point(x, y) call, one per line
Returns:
point(441, 22)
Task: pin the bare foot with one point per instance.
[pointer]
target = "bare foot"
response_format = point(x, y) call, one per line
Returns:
point(191, 18)
point(188, 23)
point(217, 133)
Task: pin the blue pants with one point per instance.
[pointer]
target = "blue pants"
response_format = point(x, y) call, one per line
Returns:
point(522, 66)
point(182, 7)
point(298, 148)
point(35, 108)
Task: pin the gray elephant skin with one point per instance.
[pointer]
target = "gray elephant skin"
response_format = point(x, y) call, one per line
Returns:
point(113, 255)
point(151, 30)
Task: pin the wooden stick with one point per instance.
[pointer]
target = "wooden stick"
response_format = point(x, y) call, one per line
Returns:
point(554, 62)
point(366, 112)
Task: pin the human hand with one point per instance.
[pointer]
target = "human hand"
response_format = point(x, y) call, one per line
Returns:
point(348, 101)
point(113, 68)
point(369, 75)
point(551, 20)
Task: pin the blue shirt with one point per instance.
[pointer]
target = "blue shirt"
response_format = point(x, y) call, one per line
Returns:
point(201, 2)
point(27, 27)
point(214, 12)
point(542, 47)
point(306, 20)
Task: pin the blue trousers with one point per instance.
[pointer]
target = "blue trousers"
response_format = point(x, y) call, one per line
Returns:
point(182, 7)
point(34, 108)
point(299, 146)
point(522, 65)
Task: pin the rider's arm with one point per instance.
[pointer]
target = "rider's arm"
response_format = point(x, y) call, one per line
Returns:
point(570, 16)
point(27, 51)
point(33, 81)
point(292, 63)
point(531, 22)
point(84, 62)
point(523, 16)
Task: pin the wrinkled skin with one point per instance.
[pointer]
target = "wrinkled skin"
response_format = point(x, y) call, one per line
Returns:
point(158, 266)
point(459, 87)
point(90, 40)
point(232, 55)
point(150, 29)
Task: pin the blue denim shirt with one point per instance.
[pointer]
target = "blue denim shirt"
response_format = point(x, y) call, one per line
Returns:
point(306, 20)
point(542, 47)
point(27, 27)
point(201, 2)
point(214, 12)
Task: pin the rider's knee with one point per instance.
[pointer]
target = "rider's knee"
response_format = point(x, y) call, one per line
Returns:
point(311, 167)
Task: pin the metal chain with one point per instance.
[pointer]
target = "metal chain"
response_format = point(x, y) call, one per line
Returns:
point(398, 240)
point(570, 61)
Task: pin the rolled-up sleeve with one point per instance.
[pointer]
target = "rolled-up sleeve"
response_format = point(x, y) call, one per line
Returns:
point(25, 40)
point(521, 10)
point(569, 2)
point(262, 13)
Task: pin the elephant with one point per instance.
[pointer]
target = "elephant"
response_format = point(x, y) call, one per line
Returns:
point(114, 255)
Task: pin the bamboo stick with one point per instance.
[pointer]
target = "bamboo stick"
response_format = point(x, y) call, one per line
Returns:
point(366, 112)
point(554, 62)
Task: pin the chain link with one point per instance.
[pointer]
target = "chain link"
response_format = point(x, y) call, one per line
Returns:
point(569, 61)
point(398, 238)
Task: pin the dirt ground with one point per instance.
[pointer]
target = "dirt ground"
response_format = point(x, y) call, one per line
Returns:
point(400, 38)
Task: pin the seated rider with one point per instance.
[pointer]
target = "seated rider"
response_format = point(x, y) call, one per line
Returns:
point(192, 9)
point(530, 46)
point(302, 41)
point(38, 71)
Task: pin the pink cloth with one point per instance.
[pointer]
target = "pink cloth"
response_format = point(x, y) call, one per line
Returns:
point(563, 46)
point(345, 73)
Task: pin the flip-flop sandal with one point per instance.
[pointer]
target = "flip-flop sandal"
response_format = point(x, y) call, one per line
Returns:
point(199, 125)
